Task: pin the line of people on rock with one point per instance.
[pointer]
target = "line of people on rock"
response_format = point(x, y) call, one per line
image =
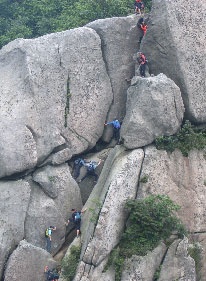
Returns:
point(75, 218)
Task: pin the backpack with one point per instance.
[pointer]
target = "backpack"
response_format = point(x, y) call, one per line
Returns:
point(77, 216)
point(79, 162)
point(47, 232)
point(116, 124)
point(91, 166)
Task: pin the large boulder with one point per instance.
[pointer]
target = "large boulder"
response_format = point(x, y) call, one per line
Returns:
point(175, 45)
point(154, 108)
point(14, 201)
point(42, 213)
point(55, 95)
point(144, 267)
point(59, 185)
point(181, 178)
point(117, 184)
point(27, 263)
point(119, 43)
point(177, 264)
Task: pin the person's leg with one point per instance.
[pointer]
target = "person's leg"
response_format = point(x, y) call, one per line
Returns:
point(48, 244)
point(143, 69)
point(76, 171)
point(86, 175)
point(77, 225)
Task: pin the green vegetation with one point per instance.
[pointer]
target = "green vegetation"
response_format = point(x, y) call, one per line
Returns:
point(70, 262)
point(95, 211)
point(195, 252)
point(187, 139)
point(144, 179)
point(33, 18)
point(151, 220)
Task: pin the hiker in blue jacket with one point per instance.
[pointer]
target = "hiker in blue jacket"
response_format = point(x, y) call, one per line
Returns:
point(76, 220)
point(78, 163)
point(91, 166)
point(116, 129)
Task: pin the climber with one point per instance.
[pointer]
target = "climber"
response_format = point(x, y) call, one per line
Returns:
point(116, 129)
point(51, 275)
point(143, 28)
point(76, 219)
point(138, 7)
point(91, 166)
point(48, 234)
point(142, 61)
point(78, 163)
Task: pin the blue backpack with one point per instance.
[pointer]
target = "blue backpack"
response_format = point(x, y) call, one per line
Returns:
point(116, 124)
point(91, 166)
point(77, 216)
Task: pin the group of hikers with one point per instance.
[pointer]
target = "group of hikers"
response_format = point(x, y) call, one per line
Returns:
point(90, 166)
point(75, 218)
point(142, 27)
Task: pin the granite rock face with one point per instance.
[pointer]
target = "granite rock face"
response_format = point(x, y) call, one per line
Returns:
point(27, 263)
point(175, 45)
point(14, 202)
point(154, 108)
point(181, 178)
point(119, 38)
point(54, 100)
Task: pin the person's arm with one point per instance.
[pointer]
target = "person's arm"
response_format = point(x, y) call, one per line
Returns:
point(83, 211)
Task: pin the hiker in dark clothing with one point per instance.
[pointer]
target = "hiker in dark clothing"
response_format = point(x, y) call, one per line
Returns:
point(48, 234)
point(78, 163)
point(76, 220)
point(91, 166)
point(137, 6)
point(142, 61)
point(51, 275)
point(142, 27)
point(116, 129)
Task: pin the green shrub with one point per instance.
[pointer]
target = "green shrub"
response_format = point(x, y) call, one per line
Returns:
point(151, 220)
point(195, 252)
point(70, 262)
point(144, 179)
point(185, 140)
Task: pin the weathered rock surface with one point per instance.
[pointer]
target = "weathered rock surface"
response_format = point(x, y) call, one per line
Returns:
point(181, 178)
point(175, 47)
point(58, 184)
point(178, 265)
point(42, 213)
point(154, 108)
point(144, 268)
point(14, 201)
point(53, 85)
point(27, 263)
point(119, 185)
point(119, 43)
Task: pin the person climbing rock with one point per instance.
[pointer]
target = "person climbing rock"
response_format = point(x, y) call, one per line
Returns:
point(51, 275)
point(78, 163)
point(137, 6)
point(76, 220)
point(116, 129)
point(48, 235)
point(142, 27)
point(142, 61)
point(91, 166)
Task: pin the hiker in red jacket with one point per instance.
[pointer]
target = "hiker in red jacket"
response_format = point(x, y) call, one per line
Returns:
point(142, 27)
